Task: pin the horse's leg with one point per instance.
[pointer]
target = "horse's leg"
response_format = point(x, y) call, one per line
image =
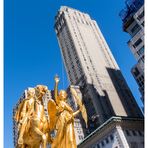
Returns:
point(38, 131)
point(45, 141)
point(41, 134)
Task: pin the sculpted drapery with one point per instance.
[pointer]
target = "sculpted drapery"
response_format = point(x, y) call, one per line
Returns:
point(65, 136)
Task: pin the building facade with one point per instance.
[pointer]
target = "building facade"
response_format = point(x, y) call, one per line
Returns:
point(133, 23)
point(90, 64)
point(117, 132)
point(79, 134)
point(46, 98)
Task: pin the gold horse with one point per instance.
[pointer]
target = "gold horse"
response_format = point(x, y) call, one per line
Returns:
point(33, 126)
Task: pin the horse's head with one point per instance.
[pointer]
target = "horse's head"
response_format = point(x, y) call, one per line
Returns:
point(40, 90)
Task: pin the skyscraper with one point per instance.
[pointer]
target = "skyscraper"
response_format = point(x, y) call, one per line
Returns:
point(90, 64)
point(133, 23)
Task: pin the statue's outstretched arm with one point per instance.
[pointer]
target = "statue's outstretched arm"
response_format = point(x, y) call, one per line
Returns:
point(76, 112)
point(67, 107)
point(81, 105)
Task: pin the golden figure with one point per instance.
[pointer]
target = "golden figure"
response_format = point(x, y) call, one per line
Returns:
point(62, 119)
point(33, 126)
point(25, 111)
point(34, 129)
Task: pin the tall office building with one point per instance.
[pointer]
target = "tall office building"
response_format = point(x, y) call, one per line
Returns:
point(133, 23)
point(90, 64)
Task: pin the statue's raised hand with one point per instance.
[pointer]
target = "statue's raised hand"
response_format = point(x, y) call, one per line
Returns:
point(57, 79)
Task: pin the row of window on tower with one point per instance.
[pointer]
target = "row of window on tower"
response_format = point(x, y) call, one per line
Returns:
point(134, 133)
point(104, 142)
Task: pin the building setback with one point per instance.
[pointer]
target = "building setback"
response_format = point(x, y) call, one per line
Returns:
point(90, 64)
point(133, 23)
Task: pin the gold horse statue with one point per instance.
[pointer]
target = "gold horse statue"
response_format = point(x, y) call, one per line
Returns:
point(33, 127)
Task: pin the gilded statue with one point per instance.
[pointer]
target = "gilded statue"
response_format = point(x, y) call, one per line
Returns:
point(33, 127)
point(62, 118)
point(24, 112)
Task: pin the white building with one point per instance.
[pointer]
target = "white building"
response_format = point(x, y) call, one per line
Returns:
point(45, 99)
point(90, 64)
point(79, 134)
point(117, 132)
point(133, 23)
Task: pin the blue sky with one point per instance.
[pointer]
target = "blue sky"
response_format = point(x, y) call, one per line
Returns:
point(31, 51)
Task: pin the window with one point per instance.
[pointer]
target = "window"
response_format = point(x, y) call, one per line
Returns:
point(98, 146)
point(87, 23)
point(127, 133)
point(140, 51)
point(136, 72)
point(102, 143)
point(140, 16)
point(140, 133)
point(111, 137)
point(136, 27)
point(107, 141)
point(142, 58)
point(137, 43)
point(134, 133)
point(80, 137)
point(67, 9)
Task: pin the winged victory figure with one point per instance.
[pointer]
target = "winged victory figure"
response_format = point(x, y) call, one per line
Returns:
point(62, 118)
